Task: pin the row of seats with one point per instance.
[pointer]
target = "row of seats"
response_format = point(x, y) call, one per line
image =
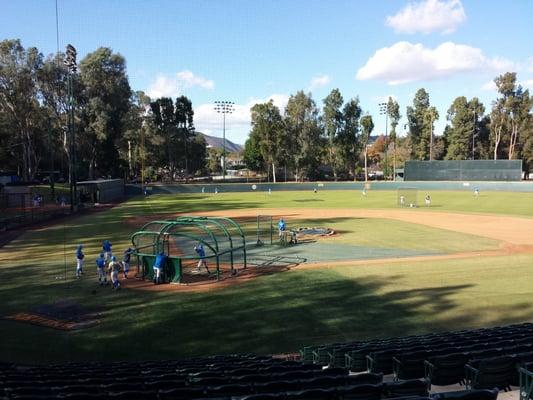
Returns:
point(392, 390)
point(333, 354)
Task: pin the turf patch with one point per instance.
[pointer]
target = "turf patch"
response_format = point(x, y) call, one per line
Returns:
point(64, 315)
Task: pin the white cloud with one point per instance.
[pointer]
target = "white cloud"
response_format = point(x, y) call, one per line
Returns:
point(188, 79)
point(528, 84)
point(319, 81)
point(206, 119)
point(163, 86)
point(405, 62)
point(172, 86)
point(384, 99)
point(491, 86)
point(428, 16)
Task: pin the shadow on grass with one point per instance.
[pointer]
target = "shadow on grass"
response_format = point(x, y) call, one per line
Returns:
point(275, 313)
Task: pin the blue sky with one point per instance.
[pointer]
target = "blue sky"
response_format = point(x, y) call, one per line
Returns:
point(249, 51)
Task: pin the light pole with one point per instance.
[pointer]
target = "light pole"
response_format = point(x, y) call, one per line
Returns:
point(474, 135)
point(384, 109)
point(224, 107)
point(70, 62)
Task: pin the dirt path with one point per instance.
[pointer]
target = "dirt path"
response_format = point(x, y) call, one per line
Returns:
point(511, 230)
point(514, 233)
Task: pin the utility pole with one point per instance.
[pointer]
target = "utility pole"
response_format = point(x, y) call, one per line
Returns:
point(70, 62)
point(474, 135)
point(224, 107)
point(384, 109)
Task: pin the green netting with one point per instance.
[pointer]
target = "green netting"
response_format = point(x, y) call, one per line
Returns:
point(463, 170)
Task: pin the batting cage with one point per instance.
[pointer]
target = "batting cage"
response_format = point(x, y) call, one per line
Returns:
point(196, 248)
point(407, 197)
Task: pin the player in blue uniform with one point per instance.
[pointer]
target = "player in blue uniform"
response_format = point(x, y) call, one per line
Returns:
point(281, 228)
point(100, 270)
point(158, 267)
point(201, 253)
point(106, 247)
point(79, 261)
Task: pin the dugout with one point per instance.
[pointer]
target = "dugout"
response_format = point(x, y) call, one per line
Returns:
point(463, 170)
point(222, 238)
point(101, 191)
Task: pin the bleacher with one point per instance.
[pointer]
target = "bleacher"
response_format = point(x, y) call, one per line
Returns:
point(484, 360)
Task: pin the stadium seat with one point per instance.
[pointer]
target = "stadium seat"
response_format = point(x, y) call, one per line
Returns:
point(493, 372)
point(413, 387)
point(446, 370)
point(410, 365)
point(361, 392)
point(480, 394)
point(360, 379)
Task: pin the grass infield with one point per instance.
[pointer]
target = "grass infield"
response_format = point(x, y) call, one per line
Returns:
point(276, 313)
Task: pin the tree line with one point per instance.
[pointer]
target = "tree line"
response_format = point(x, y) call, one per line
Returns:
point(118, 130)
point(305, 137)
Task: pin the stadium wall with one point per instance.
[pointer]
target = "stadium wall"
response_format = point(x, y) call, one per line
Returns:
point(463, 170)
point(525, 186)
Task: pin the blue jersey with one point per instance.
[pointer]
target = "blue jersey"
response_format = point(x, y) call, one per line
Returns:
point(79, 254)
point(100, 262)
point(160, 261)
point(106, 246)
point(200, 250)
point(281, 225)
point(127, 256)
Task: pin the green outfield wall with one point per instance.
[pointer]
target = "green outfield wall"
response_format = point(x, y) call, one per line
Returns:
point(524, 186)
point(461, 170)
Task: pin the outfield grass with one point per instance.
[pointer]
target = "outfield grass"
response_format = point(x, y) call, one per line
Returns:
point(275, 313)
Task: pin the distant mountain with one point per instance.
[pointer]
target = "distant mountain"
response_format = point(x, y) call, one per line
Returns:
point(218, 143)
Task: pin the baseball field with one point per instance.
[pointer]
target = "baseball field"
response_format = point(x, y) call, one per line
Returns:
point(463, 262)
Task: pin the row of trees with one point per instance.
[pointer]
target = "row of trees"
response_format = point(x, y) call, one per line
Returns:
point(303, 137)
point(115, 127)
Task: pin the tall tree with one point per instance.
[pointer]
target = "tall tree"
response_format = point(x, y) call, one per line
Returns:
point(464, 117)
point(18, 101)
point(368, 127)
point(253, 159)
point(348, 140)
point(509, 113)
point(427, 141)
point(393, 112)
point(304, 134)
point(106, 93)
point(416, 121)
point(268, 127)
point(164, 119)
point(332, 118)
point(185, 130)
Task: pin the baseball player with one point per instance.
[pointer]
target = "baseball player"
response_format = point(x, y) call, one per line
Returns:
point(158, 267)
point(199, 248)
point(281, 228)
point(106, 247)
point(126, 261)
point(428, 200)
point(100, 270)
point(79, 261)
point(114, 268)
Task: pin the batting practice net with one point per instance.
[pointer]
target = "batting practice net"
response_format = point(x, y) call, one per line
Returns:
point(407, 197)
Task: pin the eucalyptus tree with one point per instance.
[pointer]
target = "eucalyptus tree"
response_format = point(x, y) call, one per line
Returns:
point(106, 102)
point(348, 138)
point(268, 128)
point(332, 118)
point(416, 120)
point(368, 126)
point(19, 104)
point(304, 135)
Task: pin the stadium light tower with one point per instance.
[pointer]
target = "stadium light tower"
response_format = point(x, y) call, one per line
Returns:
point(384, 109)
point(72, 66)
point(224, 107)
